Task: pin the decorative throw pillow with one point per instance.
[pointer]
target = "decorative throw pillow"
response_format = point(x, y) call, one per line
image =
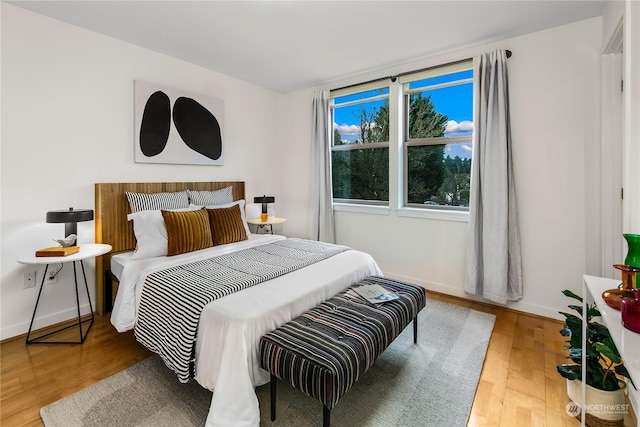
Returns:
point(211, 198)
point(226, 225)
point(187, 231)
point(155, 201)
point(241, 204)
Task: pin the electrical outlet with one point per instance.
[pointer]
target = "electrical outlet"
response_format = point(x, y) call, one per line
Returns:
point(52, 277)
point(29, 279)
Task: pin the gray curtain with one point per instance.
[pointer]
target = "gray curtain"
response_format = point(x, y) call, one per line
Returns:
point(493, 265)
point(321, 194)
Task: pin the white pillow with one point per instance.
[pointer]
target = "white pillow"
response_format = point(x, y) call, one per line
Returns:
point(151, 233)
point(228, 205)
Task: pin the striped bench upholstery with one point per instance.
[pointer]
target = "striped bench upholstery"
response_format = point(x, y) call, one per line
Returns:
point(325, 350)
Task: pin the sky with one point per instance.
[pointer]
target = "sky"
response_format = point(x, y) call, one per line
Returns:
point(455, 102)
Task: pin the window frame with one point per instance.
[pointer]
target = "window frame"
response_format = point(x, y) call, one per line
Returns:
point(351, 90)
point(406, 141)
point(398, 145)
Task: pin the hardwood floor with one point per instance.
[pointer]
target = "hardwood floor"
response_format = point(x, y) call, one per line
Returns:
point(35, 375)
point(519, 385)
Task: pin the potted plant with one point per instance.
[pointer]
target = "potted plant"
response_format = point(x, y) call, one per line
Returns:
point(605, 387)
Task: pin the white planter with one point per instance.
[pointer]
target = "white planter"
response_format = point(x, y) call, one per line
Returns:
point(606, 405)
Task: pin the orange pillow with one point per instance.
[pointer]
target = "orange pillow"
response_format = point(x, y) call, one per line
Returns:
point(226, 225)
point(187, 231)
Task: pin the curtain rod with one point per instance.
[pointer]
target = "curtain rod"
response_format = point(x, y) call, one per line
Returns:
point(393, 78)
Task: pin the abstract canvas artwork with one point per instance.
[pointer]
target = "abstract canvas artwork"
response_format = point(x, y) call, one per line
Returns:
point(173, 126)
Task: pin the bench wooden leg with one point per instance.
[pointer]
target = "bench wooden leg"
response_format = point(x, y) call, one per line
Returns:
point(273, 382)
point(326, 416)
point(415, 330)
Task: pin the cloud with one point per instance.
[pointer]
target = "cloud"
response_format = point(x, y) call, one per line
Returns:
point(464, 126)
point(345, 129)
point(467, 147)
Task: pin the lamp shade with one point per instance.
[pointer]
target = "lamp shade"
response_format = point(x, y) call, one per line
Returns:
point(70, 215)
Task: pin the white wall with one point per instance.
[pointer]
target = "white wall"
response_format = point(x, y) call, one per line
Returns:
point(67, 123)
point(555, 112)
point(631, 220)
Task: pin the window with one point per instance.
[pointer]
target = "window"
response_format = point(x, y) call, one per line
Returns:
point(438, 114)
point(433, 138)
point(360, 145)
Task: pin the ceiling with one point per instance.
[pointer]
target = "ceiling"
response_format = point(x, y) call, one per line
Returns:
point(290, 45)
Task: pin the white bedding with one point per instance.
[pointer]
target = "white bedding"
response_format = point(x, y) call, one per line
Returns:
point(230, 328)
point(119, 262)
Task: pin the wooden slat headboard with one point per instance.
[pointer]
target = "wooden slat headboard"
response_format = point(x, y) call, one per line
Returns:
point(112, 227)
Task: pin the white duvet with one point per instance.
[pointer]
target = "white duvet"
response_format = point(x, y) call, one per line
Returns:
point(230, 328)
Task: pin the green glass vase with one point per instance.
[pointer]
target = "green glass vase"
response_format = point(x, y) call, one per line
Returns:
point(633, 255)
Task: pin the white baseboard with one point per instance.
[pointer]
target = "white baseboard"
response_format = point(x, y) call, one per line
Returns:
point(42, 322)
point(460, 293)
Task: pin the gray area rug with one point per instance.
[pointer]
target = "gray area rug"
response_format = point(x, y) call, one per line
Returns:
point(432, 383)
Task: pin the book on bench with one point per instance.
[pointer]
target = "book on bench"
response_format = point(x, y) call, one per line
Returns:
point(375, 293)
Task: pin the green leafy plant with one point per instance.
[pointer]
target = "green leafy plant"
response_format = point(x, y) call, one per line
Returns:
point(603, 359)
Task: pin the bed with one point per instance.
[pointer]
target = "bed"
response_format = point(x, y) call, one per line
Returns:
point(229, 328)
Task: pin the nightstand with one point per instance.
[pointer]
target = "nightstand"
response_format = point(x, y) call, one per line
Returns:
point(86, 251)
point(262, 225)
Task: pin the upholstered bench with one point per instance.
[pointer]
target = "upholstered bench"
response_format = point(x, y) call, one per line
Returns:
point(325, 350)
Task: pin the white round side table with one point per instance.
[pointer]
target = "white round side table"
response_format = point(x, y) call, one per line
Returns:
point(86, 251)
point(262, 225)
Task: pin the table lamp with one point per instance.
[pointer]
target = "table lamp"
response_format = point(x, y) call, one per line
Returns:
point(267, 206)
point(70, 218)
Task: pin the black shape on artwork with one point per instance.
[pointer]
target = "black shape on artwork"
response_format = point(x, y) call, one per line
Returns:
point(156, 123)
point(198, 128)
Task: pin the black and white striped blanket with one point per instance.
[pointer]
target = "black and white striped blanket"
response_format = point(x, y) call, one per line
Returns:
point(173, 299)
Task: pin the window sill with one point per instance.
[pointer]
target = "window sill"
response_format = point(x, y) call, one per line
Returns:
point(436, 214)
point(368, 209)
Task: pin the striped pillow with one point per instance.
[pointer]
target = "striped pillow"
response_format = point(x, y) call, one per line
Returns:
point(211, 198)
point(187, 231)
point(155, 201)
point(227, 225)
